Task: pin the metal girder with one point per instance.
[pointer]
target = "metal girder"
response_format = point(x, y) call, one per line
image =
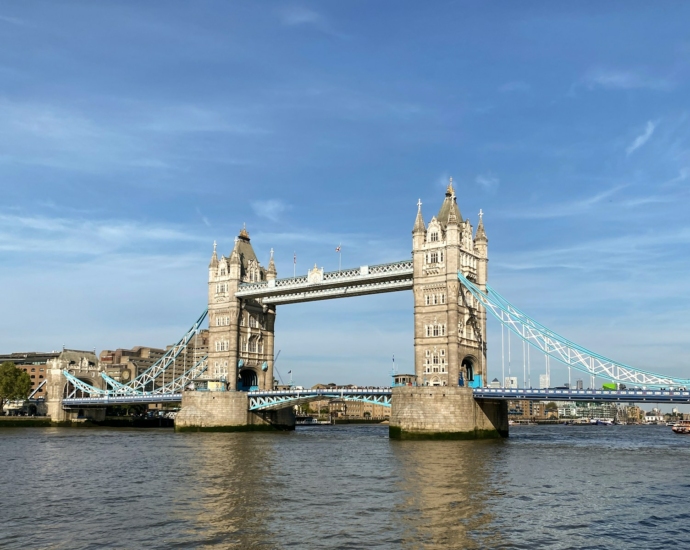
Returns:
point(280, 399)
point(159, 367)
point(106, 400)
point(358, 281)
point(562, 349)
point(38, 388)
point(623, 396)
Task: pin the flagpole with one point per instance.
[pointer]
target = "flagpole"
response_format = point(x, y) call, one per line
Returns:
point(294, 265)
point(340, 256)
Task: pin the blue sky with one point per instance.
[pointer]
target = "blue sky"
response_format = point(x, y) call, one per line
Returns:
point(133, 135)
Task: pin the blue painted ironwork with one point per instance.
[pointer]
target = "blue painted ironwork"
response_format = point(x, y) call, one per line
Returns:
point(554, 394)
point(562, 349)
point(280, 399)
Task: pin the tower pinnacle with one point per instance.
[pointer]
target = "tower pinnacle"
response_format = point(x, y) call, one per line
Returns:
point(419, 226)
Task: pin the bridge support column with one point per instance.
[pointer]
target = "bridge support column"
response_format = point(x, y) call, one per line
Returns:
point(227, 411)
point(428, 412)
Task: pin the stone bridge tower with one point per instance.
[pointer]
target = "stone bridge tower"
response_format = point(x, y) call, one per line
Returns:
point(450, 327)
point(240, 331)
point(449, 335)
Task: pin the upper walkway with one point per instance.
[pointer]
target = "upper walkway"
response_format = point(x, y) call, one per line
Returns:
point(317, 285)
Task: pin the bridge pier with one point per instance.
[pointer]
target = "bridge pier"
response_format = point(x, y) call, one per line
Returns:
point(429, 412)
point(227, 411)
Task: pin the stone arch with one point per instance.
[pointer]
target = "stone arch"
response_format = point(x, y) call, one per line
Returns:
point(469, 366)
point(435, 381)
point(248, 378)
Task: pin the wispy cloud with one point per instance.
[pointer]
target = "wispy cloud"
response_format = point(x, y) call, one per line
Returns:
point(12, 20)
point(270, 209)
point(642, 138)
point(563, 209)
point(624, 80)
point(514, 86)
point(203, 218)
point(489, 182)
point(301, 16)
point(83, 237)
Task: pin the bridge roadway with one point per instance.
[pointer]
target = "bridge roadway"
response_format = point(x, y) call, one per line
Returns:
point(277, 399)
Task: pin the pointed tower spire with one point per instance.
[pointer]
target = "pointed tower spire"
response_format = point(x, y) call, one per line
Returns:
point(214, 257)
point(419, 226)
point(481, 235)
point(271, 271)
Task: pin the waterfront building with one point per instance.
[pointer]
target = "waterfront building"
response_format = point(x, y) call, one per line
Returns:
point(124, 364)
point(495, 383)
point(32, 363)
point(527, 410)
point(511, 382)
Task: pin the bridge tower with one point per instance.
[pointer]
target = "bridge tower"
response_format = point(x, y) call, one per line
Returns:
point(241, 332)
point(449, 334)
point(450, 327)
point(240, 356)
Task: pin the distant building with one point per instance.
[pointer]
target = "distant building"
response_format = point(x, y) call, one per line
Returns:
point(526, 410)
point(544, 381)
point(511, 382)
point(123, 365)
point(578, 385)
point(495, 383)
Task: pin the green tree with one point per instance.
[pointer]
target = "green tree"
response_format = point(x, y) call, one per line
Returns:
point(551, 406)
point(14, 383)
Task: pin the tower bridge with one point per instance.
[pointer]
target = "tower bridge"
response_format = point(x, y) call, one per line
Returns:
point(232, 387)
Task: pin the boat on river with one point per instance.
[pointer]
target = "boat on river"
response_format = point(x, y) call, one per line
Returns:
point(682, 427)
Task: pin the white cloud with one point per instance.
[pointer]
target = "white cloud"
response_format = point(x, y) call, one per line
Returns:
point(488, 181)
point(301, 16)
point(624, 80)
point(560, 210)
point(12, 20)
point(78, 236)
point(515, 86)
point(642, 138)
point(270, 209)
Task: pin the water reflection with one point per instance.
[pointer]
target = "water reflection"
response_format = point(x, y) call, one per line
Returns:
point(232, 485)
point(444, 487)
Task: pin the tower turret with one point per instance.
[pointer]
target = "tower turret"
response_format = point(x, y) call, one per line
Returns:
point(481, 249)
point(271, 271)
point(419, 229)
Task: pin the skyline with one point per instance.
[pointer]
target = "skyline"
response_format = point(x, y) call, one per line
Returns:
point(134, 137)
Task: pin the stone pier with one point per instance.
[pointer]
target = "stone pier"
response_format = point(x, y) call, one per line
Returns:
point(428, 412)
point(227, 411)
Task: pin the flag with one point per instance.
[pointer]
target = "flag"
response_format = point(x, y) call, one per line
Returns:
point(289, 372)
point(337, 248)
point(294, 257)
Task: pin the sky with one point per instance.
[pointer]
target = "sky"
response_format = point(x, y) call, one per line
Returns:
point(133, 135)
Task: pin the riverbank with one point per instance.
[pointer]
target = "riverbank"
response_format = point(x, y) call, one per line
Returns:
point(109, 422)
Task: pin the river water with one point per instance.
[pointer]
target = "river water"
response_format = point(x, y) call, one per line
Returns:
point(344, 487)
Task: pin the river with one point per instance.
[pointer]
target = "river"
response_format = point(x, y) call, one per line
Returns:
point(344, 487)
